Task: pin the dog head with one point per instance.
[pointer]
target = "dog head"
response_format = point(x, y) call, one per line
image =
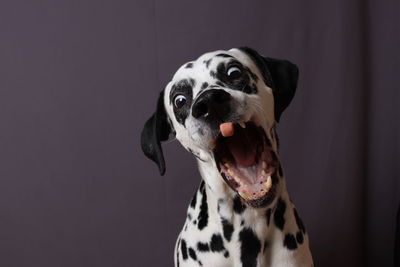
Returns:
point(223, 108)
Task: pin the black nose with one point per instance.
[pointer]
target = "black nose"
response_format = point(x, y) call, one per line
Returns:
point(212, 104)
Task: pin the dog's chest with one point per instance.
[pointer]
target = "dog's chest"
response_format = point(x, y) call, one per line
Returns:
point(223, 233)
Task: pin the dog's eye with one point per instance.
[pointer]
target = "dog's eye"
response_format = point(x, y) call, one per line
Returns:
point(234, 72)
point(180, 101)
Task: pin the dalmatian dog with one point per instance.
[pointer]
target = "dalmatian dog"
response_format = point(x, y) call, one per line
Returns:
point(223, 108)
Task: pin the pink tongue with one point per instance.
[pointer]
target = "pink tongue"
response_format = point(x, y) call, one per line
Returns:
point(241, 147)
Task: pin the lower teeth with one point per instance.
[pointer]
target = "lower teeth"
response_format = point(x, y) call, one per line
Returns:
point(251, 188)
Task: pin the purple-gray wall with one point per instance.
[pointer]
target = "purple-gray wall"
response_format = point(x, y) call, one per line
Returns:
point(79, 78)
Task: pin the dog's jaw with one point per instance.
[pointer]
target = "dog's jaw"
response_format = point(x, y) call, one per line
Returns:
point(217, 189)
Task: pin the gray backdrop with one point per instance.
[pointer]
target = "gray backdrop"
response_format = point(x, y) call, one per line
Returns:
point(79, 78)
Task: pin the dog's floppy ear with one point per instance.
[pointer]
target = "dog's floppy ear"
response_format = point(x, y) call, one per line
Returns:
point(156, 129)
point(280, 75)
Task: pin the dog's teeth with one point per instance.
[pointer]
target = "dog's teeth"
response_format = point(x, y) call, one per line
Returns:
point(244, 195)
point(242, 124)
point(268, 183)
point(263, 173)
point(227, 165)
point(230, 172)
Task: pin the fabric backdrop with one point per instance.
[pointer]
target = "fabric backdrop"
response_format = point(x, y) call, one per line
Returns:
point(78, 79)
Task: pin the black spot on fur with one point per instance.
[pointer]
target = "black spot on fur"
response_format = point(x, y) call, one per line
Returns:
point(238, 206)
point(227, 228)
point(189, 65)
point(279, 214)
point(299, 237)
point(192, 82)
point(290, 242)
point(217, 244)
point(213, 74)
point(192, 254)
point(268, 215)
point(250, 89)
point(195, 222)
point(184, 249)
point(299, 221)
point(252, 74)
point(203, 247)
point(207, 62)
point(193, 202)
point(249, 248)
point(226, 254)
point(202, 185)
point(203, 214)
point(204, 86)
point(218, 206)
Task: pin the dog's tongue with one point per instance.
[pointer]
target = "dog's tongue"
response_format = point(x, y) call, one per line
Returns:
point(239, 143)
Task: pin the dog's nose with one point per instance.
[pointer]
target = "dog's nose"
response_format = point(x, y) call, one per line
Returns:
point(212, 104)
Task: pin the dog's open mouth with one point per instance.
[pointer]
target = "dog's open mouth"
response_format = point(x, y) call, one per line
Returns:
point(246, 161)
